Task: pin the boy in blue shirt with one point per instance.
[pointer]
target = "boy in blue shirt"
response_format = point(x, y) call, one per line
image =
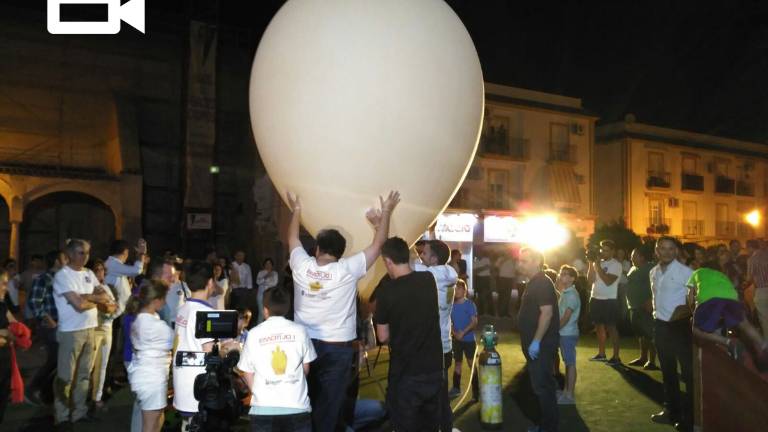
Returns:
point(569, 306)
point(463, 323)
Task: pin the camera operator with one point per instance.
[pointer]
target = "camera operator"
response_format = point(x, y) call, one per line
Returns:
point(152, 341)
point(199, 278)
point(275, 362)
point(604, 304)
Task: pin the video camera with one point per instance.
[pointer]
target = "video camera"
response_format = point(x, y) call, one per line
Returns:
point(592, 252)
point(217, 389)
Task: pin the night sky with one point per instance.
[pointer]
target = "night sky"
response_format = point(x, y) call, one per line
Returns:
point(699, 66)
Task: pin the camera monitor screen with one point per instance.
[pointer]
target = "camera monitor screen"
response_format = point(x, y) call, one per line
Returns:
point(216, 324)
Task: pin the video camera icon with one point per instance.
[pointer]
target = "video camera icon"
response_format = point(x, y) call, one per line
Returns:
point(132, 13)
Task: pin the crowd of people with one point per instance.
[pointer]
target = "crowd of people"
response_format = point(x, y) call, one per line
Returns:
point(300, 342)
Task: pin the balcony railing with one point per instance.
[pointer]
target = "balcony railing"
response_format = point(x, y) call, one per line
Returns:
point(745, 188)
point(692, 182)
point(692, 227)
point(725, 229)
point(502, 145)
point(657, 179)
point(658, 225)
point(725, 185)
point(744, 230)
point(562, 153)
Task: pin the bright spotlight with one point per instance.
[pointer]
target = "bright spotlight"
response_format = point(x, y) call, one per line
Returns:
point(544, 233)
point(753, 217)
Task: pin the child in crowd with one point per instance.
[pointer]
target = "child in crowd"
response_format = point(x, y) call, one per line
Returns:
point(569, 306)
point(464, 321)
point(275, 362)
point(718, 307)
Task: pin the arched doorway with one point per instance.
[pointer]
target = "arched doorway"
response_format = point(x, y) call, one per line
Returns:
point(5, 229)
point(52, 219)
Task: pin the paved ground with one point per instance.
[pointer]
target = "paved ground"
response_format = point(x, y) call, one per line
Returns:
point(608, 398)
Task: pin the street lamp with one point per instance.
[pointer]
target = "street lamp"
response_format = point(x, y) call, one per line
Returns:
point(753, 218)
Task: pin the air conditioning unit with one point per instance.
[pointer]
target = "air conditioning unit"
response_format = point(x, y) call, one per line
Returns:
point(577, 128)
point(673, 203)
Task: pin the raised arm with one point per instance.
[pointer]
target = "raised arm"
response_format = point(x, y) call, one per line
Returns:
point(293, 228)
point(380, 220)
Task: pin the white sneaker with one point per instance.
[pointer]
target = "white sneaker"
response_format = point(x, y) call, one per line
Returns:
point(566, 400)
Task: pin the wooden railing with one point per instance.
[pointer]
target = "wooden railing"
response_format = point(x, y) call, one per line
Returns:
point(729, 395)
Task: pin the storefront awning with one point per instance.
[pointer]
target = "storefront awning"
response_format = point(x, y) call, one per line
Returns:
point(563, 189)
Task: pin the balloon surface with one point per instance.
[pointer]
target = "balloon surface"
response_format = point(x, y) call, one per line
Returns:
point(352, 99)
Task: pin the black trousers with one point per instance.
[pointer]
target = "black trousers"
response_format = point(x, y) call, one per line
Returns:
point(446, 416)
point(413, 402)
point(544, 385)
point(483, 295)
point(504, 287)
point(674, 347)
point(43, 379)
point(5, 380)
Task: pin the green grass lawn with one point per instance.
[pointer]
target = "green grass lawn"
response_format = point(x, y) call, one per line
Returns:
point(607, 398)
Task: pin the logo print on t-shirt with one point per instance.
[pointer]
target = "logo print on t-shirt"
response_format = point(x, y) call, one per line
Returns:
point(279, 361)
point(315, 286)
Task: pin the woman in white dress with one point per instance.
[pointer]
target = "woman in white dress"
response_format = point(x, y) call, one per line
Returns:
point(152, 341)
point(266, 279)
point(219, 298)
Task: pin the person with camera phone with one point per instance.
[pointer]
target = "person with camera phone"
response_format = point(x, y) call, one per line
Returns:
point(604, 272)
point(275, 363)
point(152, 341)
point(199, 279)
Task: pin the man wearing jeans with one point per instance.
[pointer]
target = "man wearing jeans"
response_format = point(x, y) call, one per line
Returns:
point(672, 334)
point(325, 289)
point(539, 324)
point(43, 308)
point(77, 295)
point(757, 273)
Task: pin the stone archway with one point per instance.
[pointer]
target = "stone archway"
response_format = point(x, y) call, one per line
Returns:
point(5, 229)
point(49, 220)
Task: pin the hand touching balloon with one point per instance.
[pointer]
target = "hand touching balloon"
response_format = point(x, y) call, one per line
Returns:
point(294, 202)
point(388, 205)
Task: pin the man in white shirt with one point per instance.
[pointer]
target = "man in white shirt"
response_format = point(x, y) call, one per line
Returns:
point(243, 271)
point(604, 304)
point(325, 288)
point(275, 361)
point(435, 256)
point(118, 271)
point(506, 283)
point(482, 283)
point(77, 295)
point(242, 284)
point(672, 333)
point(118, 274)
point(199, 276)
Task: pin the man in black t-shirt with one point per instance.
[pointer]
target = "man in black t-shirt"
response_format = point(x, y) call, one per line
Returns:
point(407, 317)
point(538, 321)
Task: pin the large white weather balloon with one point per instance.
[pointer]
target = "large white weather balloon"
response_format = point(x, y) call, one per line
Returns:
point(352, 98)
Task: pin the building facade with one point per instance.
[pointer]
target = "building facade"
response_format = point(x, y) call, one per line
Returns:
point(95, 133)
point(534, 156)
point(664, 181)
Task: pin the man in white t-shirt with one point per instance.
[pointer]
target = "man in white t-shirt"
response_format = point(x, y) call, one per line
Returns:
point(275, 361)
point(77, 295)
point(242, 284)
point(325, 289)
point(434, 258)
point(199, 276)
point(604, 304)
